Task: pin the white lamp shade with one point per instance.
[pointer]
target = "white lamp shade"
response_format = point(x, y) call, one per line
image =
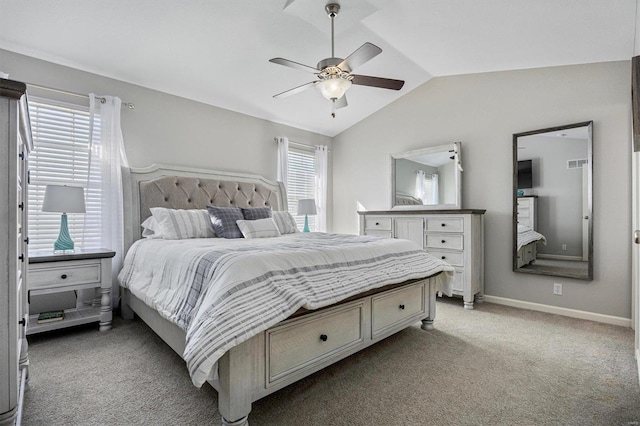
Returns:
point(306, 206)
point(63, 199)
point(333, 88)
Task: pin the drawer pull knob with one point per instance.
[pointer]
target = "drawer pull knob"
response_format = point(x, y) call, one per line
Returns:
point(444, 257)
point(63, 276)
point(401, 307)
point(444, 224)
point(323, 337)
point(377, 223)
point(443, 241)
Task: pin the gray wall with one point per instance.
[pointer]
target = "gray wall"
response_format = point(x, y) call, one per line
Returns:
point(169, 129)
point(483, 111)
point(447, 183)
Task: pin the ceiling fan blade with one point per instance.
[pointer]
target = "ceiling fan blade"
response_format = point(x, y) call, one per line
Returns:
point(292, 64)
point(295, 90)
point(342, 102)
point(383, 83)
point(362, 54)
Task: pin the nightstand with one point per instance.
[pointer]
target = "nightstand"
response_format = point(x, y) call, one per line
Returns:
point(84, 269)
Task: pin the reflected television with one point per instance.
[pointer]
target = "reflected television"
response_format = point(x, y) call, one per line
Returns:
point(525, 174)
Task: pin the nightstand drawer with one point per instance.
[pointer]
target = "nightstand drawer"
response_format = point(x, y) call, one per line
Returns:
point(53, 276)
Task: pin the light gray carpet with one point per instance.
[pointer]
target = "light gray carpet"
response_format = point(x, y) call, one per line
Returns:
point(494, 365)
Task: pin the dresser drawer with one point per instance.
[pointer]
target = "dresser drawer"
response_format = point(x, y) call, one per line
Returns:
point(379, 223)
point(49, 276)
point(445, 224)
point(444, 241)
point(453, 258)
point(295, 347)
point(397, 307)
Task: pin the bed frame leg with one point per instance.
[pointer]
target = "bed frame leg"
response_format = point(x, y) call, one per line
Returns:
point(430, 287)
point(242, 422)
point(235, 370)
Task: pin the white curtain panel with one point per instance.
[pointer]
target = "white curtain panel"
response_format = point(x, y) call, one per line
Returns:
point(283, 160)
point(107, 157)
point(419, 191)
point(321, 187)
point(435, 191)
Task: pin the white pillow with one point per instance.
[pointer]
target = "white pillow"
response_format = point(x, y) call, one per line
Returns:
point(286, 223)
point(181, 224)
point(150, 228)
point(260, 228)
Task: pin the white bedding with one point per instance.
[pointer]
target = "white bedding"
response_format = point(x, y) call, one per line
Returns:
point(222, 292)
point(529, 236)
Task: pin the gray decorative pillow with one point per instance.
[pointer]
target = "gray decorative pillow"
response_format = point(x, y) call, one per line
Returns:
point(286, 223)
point(224, 220)
point(260, 228)
point(256, 213)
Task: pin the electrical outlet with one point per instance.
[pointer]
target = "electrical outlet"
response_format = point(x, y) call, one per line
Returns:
point(557, 289)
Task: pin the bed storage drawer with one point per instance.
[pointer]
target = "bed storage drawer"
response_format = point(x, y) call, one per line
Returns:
point(398, 307)
point(306, 342)
point(43, 275)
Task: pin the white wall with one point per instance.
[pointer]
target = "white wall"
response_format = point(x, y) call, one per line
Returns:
point(484, 111)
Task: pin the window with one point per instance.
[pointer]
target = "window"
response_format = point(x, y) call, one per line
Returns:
point(301, 182)
point(61, 156)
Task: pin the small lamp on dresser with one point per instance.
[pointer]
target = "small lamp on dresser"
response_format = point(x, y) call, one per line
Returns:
point(63, 199)
point(306, 207)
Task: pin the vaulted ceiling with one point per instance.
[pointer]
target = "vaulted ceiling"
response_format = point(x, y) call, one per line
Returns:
point(217, 51)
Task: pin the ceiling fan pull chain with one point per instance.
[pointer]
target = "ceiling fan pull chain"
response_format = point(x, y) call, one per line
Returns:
point(333, 108)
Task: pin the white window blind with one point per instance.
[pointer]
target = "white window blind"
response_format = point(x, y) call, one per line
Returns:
point(61, 156)
point(428, 188)
point(301, 183)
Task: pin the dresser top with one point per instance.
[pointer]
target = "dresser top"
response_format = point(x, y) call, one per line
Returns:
point(417, 211)
point(43, 256)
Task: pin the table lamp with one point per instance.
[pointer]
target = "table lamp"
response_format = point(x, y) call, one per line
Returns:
point(63, 199)
point(306, 207)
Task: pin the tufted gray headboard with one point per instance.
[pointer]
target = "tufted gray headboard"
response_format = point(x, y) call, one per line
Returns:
point(187, 188)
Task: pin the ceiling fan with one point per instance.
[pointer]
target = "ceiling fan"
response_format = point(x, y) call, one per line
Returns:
point(334, 74)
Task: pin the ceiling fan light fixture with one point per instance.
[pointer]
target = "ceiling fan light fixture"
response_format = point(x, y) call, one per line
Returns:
point(334, 87)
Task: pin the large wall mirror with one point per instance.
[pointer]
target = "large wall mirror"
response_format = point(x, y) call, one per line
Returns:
point(427, 178)
point(552, 201)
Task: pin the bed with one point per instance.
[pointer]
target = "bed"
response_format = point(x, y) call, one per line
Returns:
point(296, 328)
point(528, 240)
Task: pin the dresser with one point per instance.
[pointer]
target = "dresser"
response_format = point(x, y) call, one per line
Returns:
point(455, 236)
point(15, 145)
point(527, 214)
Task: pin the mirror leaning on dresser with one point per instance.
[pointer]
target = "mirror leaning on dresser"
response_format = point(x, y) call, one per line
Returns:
point(426, 194)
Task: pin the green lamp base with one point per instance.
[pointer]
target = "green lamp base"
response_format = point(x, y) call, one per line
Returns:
point(306, 224)
point(64, 243)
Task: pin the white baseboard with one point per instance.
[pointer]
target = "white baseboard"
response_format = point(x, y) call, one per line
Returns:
point(573, 313)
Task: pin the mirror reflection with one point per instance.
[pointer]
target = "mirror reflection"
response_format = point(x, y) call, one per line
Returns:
point(427, 178)
point(552, 201)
